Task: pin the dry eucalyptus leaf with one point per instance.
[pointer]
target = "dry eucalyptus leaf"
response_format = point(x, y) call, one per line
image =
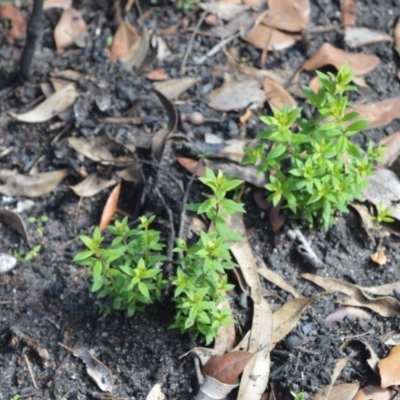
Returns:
point(383, 290)
point(64, 4)
point(16, 20)
point(389, 369)
point(392, 153)
point(156, 393)
point(92, 185)
point(211, 389)
point(158, 74)
point(110, 208)
point(91, 149)
point(30, 185)
point(379, 257)
point(7, 263)
point(374, 392)
point(234, 95)
point(204, 354)
point(286, 318)
point(125, 37)
point(132, 174)
point(339, 365)
point(225, 11)
point(51, 107)
point(173, 88)
point(329, 55)
point(357, 36)
point(14, 221)
point(345, 391)
point(354, 296)
point(397, 36)
point(265, 38)
point(70, 27)
point(277, 95)
point(348, 12)
point(365, 216)
point(288, 15)
point(350, 313)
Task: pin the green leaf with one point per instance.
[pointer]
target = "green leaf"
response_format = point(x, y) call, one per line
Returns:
point(144, 290)
point(356, 127)
point(207, 205)
point(230, 185)
point(276, 151)
point(83, 255)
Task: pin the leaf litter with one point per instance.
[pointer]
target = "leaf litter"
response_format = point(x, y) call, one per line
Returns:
point(389, 368)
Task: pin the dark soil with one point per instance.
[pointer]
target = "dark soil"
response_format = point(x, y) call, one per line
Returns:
point(47, 300)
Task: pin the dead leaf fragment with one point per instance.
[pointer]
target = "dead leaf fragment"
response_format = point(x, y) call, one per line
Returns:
point(327, 54)
point(227, 368)
point(374, 392)
point(389, 368)
point(54, 105)
point(265, 38)
point(14, 221)
point(212, 389)
point(348, 12)
point(70, 28)
point(18, 24)
point(125, 37)
point(64, 4)
point(277, 96)
point(30, 185)
point(173, 88)
point(397, 36)
point(288, 15)
point(92, 185)
point(379, 257)
point(156, 393)
point(325, 394)
point(110, 208)
point(345, 391)
point(91, 149)
point(392, 153)
point(225, 11)
point(158, 74)
point(358, 36)
point(351, 313)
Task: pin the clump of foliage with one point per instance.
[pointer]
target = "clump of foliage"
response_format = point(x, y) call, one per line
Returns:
point(127, 270)
point(39, 222)
point(315, 168)
point(382, 215)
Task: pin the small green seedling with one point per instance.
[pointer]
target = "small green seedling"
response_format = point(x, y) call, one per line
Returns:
point(16, 396)
point(39, 222)
point(382, 215)
point(315, 169)
point(298, 396)
point(186, 5)
point(30, 255)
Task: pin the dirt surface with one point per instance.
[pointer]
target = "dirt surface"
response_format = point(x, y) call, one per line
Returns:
point(47, 300)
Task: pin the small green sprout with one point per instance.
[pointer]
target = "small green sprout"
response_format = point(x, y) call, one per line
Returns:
point(30, 255)
point(382, 215)
point(39, 222)
point(298, 396)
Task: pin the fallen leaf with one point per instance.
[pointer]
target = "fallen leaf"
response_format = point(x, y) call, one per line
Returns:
point(339, 365)
point(288, 15)
point(226, 368)
point(397, 36)
point(226, 335)
point(91, 149)
point(389, 368)
point(350, 313)
point(156, 393)
point(379, 257)
point(64, 4)
point(393, 340)
point(225, 11)
point(7, 263)
point(110, 208)
point(30, 185)
point(51, 107)
point(358, 36)
point(374, 392)
point(234, 95)
point(92, 185)
point(277, 95)
point(125, 37)
point(158, 74)
point(373, 360)
point(70, 29)
point(14, 221)
point(348, 12)
point(286, 318)
point(383, 290)
point(203, 353)
point(18, 24)
point(265, 38)
point(354, 296)
point(345, 391)
point(327, 54)
point(132, 174)
point(173, 88)
point(211, 389)
point(392, 153)
point(365, 216)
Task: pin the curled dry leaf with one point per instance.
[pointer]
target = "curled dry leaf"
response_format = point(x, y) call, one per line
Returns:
point(173, 88)
point(389, 368)
point(110, 207)
point(92, 185)
point(374, 392)
point(18, 24)
point(70, 29)
point(265, 38)
point(345, 391)
point(383, 290)
point(225, 11)
point(288, 15)
point(30, 185)
point(348, 12)
point(351, 313)
point(51, 107)
point(14, 221)
point(156, 393)
point(357, 37)
point(226, 368)
point(329, 55)
point(373, 360)
point(277, 95)
point(91, 149)
point(125, 37)
point(339, 365)
point(64, 4)
point(211, 389)
point(365, 216)
point(379, 257)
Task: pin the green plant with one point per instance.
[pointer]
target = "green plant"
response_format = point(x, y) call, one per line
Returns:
point(16, 396)
point(125, 271)
point(39, 222)
point(382, 215)
point(186, 5)
point(29, 255)
point(201, 283)
point(316, 170)
point(298, 396)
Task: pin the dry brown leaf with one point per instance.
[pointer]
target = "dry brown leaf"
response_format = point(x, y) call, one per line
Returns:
point(365, 216)
point(277, 95)
point(234, 95)
point(358, 36)
point(383, 290)
point(380, 113)
point(227, 368)
point(110, 208)
point(30, 185)
point(389, 368)
point(64, 4)
point(354, 296)
point(91, 149)
point(374, 392)
point(339, 365)
point(397, 36)
point(125, 37)
point(51, 107)
point(379, 257)
point(158, 74)
point(225, 11)
point(265, 38)
point(351, 313)
point(345, 391)
point(70, 28)
point(329, 55)
point(392, 153)
point(17, 21)
point(349, 12)
point(173, 88)
point(14, 221)
point(286, 318)
point(156, 393)
point(288, 15)
point(212, 389)
point(92, 185)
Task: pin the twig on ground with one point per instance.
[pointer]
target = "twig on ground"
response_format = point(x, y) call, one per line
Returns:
point(28, 364)
point(216, 48)
point(190, 44)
